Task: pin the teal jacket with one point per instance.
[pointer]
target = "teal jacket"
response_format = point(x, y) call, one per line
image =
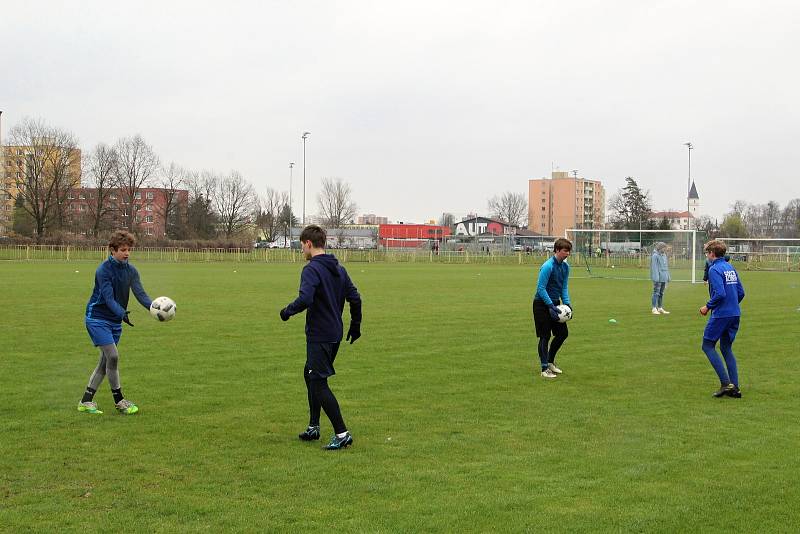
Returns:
point(553, 282)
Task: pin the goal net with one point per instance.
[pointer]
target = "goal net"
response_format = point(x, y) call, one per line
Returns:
point(626, 254)
point(764, 254)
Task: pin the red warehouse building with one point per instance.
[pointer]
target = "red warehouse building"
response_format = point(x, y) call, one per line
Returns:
point(411, 235)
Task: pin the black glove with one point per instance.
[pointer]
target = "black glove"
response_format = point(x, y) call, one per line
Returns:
point(126, 319)
point(354, 332)
point(568, 306)
point(554, 313)
point(284, 315)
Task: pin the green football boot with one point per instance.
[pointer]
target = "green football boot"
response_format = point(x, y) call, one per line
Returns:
point(89, 407)
point(126, 407)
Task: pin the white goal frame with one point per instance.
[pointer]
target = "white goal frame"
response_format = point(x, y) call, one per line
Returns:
point(601, 231)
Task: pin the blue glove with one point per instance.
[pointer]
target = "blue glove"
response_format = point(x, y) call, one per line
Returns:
point(284, 315)
point(554, 313)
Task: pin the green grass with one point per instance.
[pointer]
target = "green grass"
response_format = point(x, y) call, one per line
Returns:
point(454, 429)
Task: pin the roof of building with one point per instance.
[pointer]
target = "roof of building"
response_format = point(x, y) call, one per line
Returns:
point(693, 192)
point(670, 214)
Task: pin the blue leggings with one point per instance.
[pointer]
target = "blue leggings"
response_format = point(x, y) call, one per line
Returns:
point(731, 375)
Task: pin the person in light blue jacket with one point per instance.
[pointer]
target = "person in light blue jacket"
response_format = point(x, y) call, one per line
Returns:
point(659, 274)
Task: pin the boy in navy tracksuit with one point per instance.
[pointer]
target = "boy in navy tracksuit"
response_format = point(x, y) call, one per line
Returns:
point(726, 292)
point(324, 287)
point(552, 287)
point(105, 313)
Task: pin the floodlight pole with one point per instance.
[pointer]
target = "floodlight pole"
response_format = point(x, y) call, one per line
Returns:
point(291, 165)
point(304, 137)
point(689, 186)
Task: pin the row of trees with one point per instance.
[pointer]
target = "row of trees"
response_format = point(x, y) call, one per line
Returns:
point(631, 208)
point(762, 220)
point(46, 170)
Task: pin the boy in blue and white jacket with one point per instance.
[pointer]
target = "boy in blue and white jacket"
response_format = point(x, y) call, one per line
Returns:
point(659, 274)
point(725, 293)
point(105, 313)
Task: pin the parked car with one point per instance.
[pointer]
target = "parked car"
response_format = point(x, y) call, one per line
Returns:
point(517, 248)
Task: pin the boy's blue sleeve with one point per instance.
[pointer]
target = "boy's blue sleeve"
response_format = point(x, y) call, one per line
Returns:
point(541, 284)
point(354, 298)
point(565, 289)
point(107, 292)
point(309, 280)
point(138, 291)
point(716, 287)
point(739, 288)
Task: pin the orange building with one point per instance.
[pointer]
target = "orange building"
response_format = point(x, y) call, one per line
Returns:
point(564, 201)
point(14, 164)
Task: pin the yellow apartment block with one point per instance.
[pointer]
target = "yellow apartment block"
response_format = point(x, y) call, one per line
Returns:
point(563, 201)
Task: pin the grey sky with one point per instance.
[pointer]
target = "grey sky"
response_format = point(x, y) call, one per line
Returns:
point(427, 106)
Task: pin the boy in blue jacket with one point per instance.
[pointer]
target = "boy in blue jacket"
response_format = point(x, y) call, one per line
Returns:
point(552, 288)
point(324, 287)
point(725, 293)
point(105, 313)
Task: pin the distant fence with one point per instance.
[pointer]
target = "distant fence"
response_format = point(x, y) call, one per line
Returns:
point(56, 253)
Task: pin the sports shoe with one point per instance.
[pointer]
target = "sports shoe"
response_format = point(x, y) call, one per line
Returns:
point(547, 373)
point(735, 392)
point(89, 407)
point(126, 407)
point(553, 368)
point(724, 391)
point(662, 310)
point(655, 311)
point(339, 443)
point(309, 434)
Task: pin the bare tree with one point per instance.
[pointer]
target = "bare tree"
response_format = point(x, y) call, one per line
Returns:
point(509, 207)
point(235, 201)
point(336, 203)
point(269, 213)
point(44, 172)
point(100, 166)
point(137, 164)
point(790, 219)
point(170, 182)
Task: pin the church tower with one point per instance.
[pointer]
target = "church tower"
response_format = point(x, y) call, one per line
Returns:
point(694, 202)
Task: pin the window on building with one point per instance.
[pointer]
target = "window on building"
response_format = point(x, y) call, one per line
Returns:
point(70, 196)
point(149, 207)
point(544, 208)
point(83, 207)
point(149, 219)
point(82, 196)
point(149, 231)
point(113, 196)
point(149, 195)
point(137, 195)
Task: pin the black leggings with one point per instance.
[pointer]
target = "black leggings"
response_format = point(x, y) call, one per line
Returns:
point(320, 396)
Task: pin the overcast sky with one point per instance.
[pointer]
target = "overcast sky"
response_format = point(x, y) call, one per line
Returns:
point(425, 107)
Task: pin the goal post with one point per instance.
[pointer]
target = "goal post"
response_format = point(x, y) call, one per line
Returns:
point(625, 254)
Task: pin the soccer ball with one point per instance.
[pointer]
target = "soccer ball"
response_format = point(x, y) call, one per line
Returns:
point(564, 313)
point(163, 309)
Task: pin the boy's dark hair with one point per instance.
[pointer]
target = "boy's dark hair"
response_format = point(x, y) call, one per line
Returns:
point(315, 234)
point(719, 248)
point(121, 237)
point(562, 244)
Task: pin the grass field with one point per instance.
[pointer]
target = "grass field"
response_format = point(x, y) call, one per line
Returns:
point(454, 429)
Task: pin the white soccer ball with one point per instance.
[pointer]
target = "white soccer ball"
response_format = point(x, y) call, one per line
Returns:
point(163, 309)
point(564, 313)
